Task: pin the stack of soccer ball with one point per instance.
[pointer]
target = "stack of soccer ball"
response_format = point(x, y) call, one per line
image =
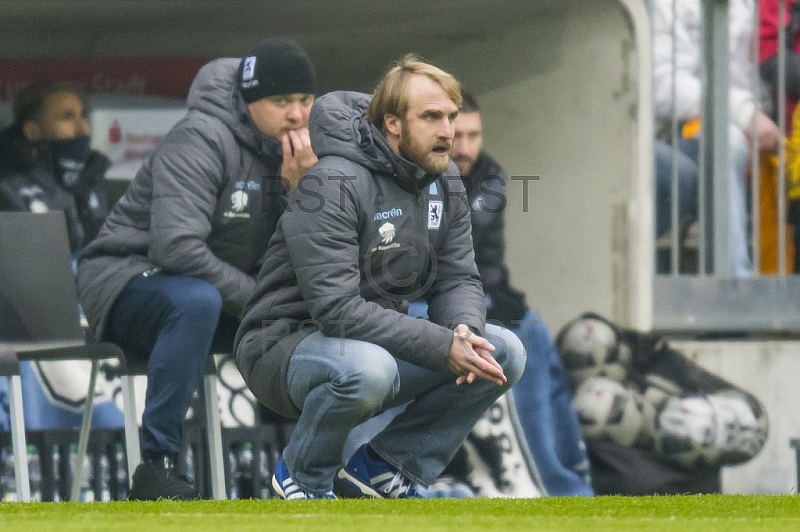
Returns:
point(618, 397)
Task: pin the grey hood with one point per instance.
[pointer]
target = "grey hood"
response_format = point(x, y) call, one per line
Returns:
point(175, 214)
point(337, 127)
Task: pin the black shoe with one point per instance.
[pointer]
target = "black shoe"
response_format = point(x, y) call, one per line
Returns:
point(159, 479)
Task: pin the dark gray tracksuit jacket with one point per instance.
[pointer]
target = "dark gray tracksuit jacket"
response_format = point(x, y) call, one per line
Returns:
point(195, 207)
point(364, 232)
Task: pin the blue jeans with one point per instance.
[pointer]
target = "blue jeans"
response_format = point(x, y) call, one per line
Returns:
point(544, 406)
point(338, 383)
point(738, 154)
point(172, 323)
point(687, 187)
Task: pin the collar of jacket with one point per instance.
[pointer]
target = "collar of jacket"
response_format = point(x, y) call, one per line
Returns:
point(483, 168)
point(407, 174)
point(17, 155)
point(264, 146)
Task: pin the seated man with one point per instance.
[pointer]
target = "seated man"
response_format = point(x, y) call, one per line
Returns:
point(172, 267)
point(46, 164)
point(326, 337)
point(542, 396)
point(676, 26)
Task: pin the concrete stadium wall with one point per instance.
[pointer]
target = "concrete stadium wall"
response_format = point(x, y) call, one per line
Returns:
point(768, 370)
point(560, 100)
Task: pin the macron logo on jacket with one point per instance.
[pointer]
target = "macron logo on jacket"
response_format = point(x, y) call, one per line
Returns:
point(385, 215)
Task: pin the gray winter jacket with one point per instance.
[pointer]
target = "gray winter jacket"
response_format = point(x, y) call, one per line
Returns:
point(195, 207)
point(364, 232)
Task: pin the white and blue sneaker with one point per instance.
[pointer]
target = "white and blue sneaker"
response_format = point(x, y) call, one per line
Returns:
point(285, 486)
point(365, 476)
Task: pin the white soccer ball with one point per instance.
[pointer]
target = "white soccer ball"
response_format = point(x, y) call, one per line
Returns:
point(589, 347)
point(608, 410)
point(686, 431)
point(723, 428)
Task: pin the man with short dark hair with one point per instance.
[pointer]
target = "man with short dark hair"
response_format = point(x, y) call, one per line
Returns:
point(46, 162)
point(326, 337)
point(171, 269)
point(542, 396)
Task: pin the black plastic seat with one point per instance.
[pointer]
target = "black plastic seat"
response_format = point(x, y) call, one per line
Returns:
point(40, 304)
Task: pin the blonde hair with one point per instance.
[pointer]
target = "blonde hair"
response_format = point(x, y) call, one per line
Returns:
point(391, 95)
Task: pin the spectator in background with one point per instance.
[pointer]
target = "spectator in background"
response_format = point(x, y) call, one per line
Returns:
point(747, 122)
point(168, 275)
point(768, 70)
point(542, 396)
point(688, 176)
point(768, 54)
point(46, 164)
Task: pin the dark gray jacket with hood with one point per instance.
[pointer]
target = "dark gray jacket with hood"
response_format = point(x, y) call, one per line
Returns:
point(195, 207)
point(364, 232)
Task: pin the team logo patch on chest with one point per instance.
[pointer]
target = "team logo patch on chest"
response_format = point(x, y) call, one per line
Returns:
point(386, 233)
point(435, 210)
point(239, 201)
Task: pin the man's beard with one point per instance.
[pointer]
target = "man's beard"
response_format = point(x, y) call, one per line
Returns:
point(423, 157)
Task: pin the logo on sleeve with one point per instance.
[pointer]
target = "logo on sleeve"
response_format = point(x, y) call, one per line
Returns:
point(435, 209)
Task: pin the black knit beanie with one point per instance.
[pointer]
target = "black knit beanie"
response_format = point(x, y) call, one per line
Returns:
point(276, 66)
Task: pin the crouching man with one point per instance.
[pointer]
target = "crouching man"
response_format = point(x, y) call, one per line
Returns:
point(381, 219)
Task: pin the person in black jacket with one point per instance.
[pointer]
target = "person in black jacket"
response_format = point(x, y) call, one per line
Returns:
point(380, 220)
point(170, 271)
point(542, 396)
point(46, 164)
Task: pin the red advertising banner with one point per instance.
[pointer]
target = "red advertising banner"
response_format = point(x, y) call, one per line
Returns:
point(169, 77)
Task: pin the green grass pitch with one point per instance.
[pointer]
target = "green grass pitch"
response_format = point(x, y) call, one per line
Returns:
point(739, 513)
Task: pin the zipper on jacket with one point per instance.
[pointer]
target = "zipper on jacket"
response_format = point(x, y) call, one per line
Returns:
point(422, 230)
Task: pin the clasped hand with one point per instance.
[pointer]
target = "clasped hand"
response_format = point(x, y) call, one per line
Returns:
point(470, 358)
